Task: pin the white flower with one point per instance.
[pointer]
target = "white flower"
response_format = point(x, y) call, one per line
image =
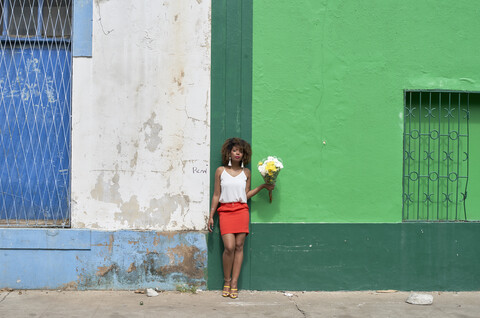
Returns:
point(262, 170)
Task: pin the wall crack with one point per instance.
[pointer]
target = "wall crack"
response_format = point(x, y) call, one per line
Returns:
point(100, 21)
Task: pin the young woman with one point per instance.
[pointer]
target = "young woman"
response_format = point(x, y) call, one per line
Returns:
point(232, 190)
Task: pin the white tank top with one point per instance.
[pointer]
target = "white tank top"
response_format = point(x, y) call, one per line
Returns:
point(233, 188)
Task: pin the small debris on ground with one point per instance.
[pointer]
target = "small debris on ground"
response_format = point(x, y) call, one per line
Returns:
point(385, 291)
point(151, 292)
point(6, 290)
point(288, 294)
point(419, 299)
point(141, 303)
point(140, 291)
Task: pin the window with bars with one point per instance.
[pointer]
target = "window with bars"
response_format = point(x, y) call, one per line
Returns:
point(35, 111)
point(436, 155)
point(23, 19)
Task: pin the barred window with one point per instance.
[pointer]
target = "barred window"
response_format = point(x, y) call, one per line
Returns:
point(23, 19)
point(436, 156)
point(35, 113)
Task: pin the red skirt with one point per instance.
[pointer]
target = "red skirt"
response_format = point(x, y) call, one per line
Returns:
point(234, 217)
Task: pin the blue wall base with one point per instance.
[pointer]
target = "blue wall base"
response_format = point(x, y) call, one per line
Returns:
point(87, 259)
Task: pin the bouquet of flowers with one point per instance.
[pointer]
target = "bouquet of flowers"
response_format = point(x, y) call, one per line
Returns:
point(269, 169)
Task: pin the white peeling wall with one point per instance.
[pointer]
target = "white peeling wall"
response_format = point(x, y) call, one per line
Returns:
point(141, 117)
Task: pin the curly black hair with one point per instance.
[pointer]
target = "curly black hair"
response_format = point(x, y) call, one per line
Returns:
point(240, 143)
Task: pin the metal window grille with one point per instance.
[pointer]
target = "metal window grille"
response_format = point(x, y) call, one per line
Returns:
point(35, 112)
point(436, 155)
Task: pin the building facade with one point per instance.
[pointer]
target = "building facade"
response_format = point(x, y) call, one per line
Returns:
point(113, 113)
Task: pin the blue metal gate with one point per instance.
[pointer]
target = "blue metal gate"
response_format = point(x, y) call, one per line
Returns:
point(35, 113)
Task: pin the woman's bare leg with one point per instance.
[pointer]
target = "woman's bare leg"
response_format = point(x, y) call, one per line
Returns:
point(238, 259)
point(228, 256)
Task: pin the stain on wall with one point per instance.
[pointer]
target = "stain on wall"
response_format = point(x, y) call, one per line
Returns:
point(152, 131)
point(140, 118)
point(148, 259)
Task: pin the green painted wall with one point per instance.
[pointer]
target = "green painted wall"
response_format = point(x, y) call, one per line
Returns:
point(231, 116)
point(401, 256)
point(328, 81)
point(336, 72)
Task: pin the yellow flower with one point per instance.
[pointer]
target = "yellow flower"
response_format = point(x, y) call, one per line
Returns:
point(260, 163)
point(271, 166)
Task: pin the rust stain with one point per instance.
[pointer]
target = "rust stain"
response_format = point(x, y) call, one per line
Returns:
point(110, 245)
point(159, 236)
point(133, 242)
point(179, 79)
point(69, 286)
point(132, 268)
point(157, 239)
point(151, 252)
point(169, 235)
point(104, 270)
point(191, 256)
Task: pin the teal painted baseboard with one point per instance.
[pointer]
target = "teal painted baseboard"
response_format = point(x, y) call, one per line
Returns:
point(404, 256)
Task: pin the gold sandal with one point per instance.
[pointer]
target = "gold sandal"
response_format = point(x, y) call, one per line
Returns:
point(234, 294)
point(226, 293)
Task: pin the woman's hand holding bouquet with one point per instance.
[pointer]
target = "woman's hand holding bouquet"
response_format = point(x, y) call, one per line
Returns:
point(269, 169)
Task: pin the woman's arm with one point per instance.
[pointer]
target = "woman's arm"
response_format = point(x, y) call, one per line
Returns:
point(216, 196)
point(251, 193)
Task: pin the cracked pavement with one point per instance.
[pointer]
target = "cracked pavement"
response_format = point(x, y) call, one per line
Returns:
point(52, 303)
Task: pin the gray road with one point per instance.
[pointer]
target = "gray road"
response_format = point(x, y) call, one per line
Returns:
point(36, 303)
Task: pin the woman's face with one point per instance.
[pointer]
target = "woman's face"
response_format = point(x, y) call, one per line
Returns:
point(236, 154)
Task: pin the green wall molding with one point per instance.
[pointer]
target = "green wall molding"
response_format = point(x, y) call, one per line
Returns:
point(403, 256)
point(328, 257)
point(231, 102)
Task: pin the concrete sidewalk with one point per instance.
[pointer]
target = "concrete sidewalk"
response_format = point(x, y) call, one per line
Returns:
point(36, 303)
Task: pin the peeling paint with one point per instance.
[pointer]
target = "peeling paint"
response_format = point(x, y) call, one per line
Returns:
point(127, 171)
point(104, 270)
point(189, 256)
point(161, 210)
point(163, 258)
point(130, 211)
point(133, 162)
point(178, 80)
point(131, 268)
point(148, 252)
point(70, 286)
point(109, 244)
point(107, 191)
point(152, 133)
